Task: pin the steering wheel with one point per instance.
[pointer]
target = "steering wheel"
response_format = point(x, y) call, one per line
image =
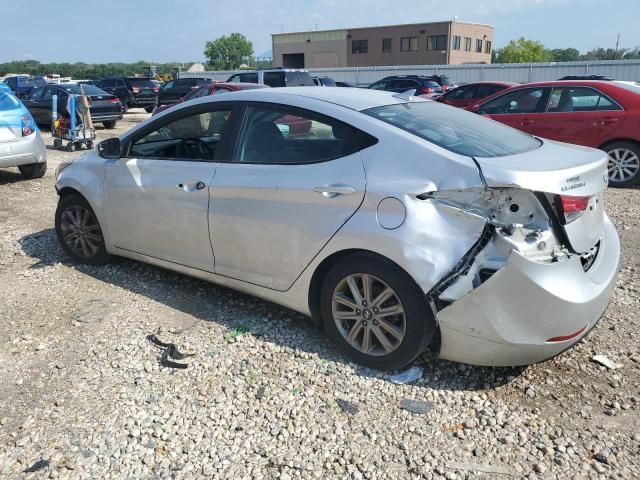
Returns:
point(194, 148)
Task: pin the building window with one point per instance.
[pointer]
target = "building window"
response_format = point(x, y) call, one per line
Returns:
point(456, 42)
point(409, 44)
point(487, 47)
point(467, 44)
point(386, 45)
point(478, 46)
point(437, 42)
point(360, 46)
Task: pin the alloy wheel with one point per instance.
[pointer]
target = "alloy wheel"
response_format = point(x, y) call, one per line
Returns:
point(80, 231)
point(623, 165)
point(369, 314)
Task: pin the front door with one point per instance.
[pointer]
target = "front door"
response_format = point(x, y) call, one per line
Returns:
point(519, 109)
point(296, 178)
point(157, 195)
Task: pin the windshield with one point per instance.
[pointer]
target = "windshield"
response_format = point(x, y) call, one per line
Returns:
point(31, 81)
point(88, 90)
point(8, 101)
point(456, 130)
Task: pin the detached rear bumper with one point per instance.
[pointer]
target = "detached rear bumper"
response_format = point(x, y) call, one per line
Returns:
point(508, 320)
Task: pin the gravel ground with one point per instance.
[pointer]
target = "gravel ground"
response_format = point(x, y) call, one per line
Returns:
point(266, 396)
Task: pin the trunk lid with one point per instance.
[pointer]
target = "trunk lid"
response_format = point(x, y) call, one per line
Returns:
point(557, 169)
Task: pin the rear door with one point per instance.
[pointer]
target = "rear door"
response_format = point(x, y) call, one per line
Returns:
point(580, 115)
point(518, 108)
point(157, 196)
point(284, 195)
point(39, 104)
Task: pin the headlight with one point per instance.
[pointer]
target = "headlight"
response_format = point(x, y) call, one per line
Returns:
point(62, 166)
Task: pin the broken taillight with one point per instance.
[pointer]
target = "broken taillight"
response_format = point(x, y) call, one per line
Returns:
point(571, 208)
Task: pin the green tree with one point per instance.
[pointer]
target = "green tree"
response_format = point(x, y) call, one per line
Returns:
point(228, 52)
point(523, 51)
point(604, 54)
point(565, 55)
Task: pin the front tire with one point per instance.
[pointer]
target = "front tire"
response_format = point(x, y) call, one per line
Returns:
point(624, 164)
point(79, 232)
point(109, 124)
point(375, 312)
point(33, 170)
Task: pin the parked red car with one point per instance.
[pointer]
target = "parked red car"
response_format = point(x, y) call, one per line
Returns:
point(599, 114)
point(471, 93)
point(214, 88)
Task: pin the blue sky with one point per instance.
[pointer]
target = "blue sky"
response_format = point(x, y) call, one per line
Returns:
point(107, 30)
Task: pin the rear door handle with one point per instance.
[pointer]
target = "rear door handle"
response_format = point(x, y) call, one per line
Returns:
point(526, 122)
point(192, 186)
point(609, 121)
point(330, 191)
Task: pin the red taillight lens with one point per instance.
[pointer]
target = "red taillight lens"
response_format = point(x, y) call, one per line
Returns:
point(571, 208)
point(155, 89)
point(115, 100)
point(427, 90)
point(28, 125)
point(444, 88)
point(135, 90)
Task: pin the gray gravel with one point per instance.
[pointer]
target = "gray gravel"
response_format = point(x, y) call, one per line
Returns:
point(265, 395)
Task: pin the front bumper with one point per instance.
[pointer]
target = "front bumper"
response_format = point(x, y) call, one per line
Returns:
point(23, 152)
point(508, 319)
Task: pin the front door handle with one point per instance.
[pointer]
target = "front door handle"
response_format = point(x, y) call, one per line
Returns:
point(526, 122)
point(330, 191)
point(191, 186)
point(609, 121)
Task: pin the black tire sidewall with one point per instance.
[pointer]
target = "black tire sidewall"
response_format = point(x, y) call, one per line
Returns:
point(635, 148)
point(101, 256)
point(420, 322)
point(109, 125)
point(33, 170)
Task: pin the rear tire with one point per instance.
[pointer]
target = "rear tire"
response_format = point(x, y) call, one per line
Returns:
point(109, 124)
point(394, 339)
point(624, 163)
point(33, 170)
point(79, 232)
point(125, 106)
point(149, 109)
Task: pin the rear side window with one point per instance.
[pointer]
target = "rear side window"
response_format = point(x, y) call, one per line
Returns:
point(456, 130)
point(274, 79)
point(285, 135)
point(298, 79)
point(578, 99)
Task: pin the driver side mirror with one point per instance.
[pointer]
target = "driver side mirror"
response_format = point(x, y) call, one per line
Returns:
point(109, 148)
point(475, 108)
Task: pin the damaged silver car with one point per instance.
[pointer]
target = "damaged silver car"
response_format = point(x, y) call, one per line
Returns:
point(397, 223)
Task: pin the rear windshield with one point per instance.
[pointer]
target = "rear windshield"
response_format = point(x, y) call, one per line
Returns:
point(630, 86)
point(88, 89)
point(8, 102)
point(456, 130)
point(141, 82)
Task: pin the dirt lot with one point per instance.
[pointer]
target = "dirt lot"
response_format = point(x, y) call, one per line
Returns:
point(83, 394)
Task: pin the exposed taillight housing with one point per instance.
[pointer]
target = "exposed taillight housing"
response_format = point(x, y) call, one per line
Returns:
point(571, 208)
point(28, 125)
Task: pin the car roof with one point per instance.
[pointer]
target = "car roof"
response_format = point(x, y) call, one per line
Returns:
point(564, 83)
point(238, 85)
point(352, 98)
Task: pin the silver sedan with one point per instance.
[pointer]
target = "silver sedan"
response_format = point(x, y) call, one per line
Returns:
point(397, 223)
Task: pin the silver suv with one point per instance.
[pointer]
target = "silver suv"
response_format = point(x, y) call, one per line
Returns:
point(275, 77)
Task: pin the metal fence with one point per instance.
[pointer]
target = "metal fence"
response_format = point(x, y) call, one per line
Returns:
point(508, 72)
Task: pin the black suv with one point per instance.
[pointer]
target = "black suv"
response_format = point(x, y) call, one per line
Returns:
point(174, 90)
point(275, 77)
point(401, 83)
point(133, 92)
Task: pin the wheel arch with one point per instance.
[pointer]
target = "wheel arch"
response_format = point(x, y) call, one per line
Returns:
point(66, 191)
point(616, 140)
point(315, 285)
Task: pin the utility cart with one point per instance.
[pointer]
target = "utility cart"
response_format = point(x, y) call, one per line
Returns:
point(76, 129)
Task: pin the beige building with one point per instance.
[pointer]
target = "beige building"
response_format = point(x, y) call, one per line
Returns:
point(435, 43)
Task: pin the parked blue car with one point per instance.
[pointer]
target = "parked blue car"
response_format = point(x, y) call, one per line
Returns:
point(23, 84)
point(4, 87)
point(21, 144)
